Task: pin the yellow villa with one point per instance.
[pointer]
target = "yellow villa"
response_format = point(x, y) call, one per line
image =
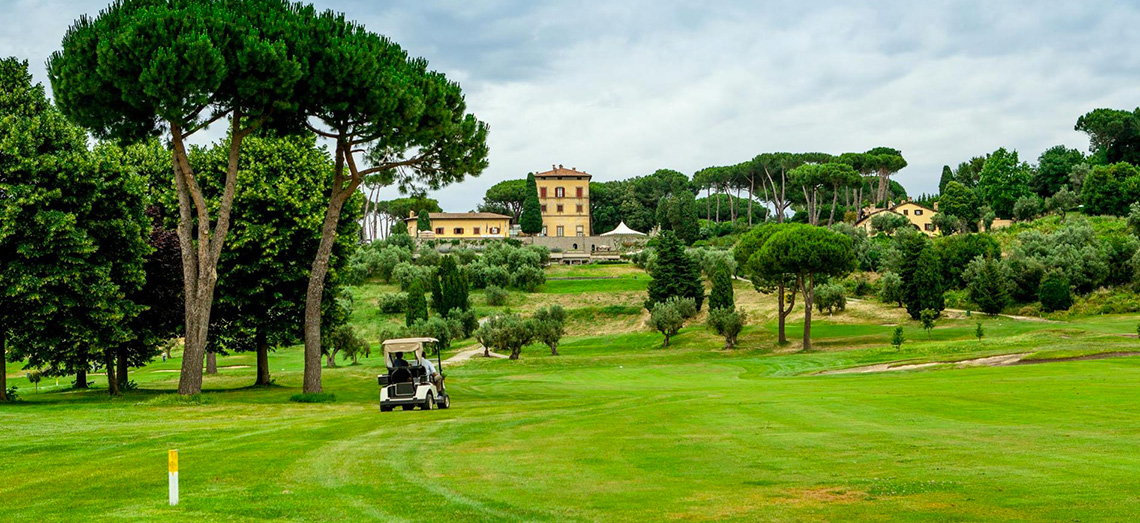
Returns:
point(919, 215)
point(564, 196)
point(463, 225)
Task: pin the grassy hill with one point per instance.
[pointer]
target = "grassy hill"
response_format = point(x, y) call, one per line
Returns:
point(617, 429)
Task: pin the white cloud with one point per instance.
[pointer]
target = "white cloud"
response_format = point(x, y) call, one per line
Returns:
point(623, 88)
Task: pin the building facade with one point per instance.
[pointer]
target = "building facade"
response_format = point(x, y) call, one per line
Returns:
point(920, 216)
point(564, 196)
point(464, 225)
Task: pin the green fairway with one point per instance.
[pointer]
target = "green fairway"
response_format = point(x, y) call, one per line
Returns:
point(615, 429)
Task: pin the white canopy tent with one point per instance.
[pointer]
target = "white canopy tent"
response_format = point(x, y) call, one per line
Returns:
point(623, 230)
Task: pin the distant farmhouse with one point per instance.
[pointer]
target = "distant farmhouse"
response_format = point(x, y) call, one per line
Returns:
point(564, 195)
point(463, 225)
point(920, 216)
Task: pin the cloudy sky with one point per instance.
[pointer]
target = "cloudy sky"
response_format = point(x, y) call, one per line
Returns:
point(622, 88)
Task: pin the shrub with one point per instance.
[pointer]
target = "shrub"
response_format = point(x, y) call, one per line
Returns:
point(344, 340)
point(480, 275)
point(1055, 294)
point(495, 296)
point(428, 257)
point(468, 320)
point(403, 241)
point(406, 274)
point(889, 222)
point(858, 285)
point(979, 332)
point(830, 297)
point(464, 256)
point(1026, 208)
point(528, 278)
point(392, 302)
point(727, 323)
point(443, 329)
point(891, 289)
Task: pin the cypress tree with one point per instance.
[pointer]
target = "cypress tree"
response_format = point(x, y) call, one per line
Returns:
point(1054, 292)
point(417, 305)
point(453, 288)
point(947, 177)
point(423, 221)
point(674, 273)
point(990, 288)
point(531, 220)
point(922, 289)
point(721, 296)
point(438, 302)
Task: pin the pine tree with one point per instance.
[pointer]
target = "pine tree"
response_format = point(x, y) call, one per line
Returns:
point(531, 220)
point(417, 305)
point(721, 296)
point(684, 210)
point(674, 273)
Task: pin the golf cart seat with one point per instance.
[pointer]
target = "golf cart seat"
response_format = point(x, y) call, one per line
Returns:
point(400, 375)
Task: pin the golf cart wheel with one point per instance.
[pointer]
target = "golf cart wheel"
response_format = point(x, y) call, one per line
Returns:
point(429, 402)
point(407, 407)
point(444, 402)
point(385, 408)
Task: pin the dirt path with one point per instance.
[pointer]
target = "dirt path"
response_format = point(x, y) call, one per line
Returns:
point(474, 351)
point(1000, 360)
point(989, 361)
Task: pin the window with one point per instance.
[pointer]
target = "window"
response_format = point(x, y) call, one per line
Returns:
point(458, 230)
point(929, 226)
point(918, 212)
point(561, 231)
point(544, 230)
point(559, 207)
point(559, 192)
point(906, 212)
point(579, 191)
point(493, 230)
point(439, 230)
point(475, 230)
point(542, 192)
point(581, 230)
point(578, 208)
point(543, 206)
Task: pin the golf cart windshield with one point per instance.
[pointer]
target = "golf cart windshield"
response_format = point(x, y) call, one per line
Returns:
point(413, 349)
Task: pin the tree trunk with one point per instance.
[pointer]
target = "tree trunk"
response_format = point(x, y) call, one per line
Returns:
point(554, 349)
point(81, 372)
point(330, 360)
point(211, 363)
point(882, 186)
point(732, 207)
point(751, 189)
point(834, 201)
point(515, 353)
point(665, 344)
point(262, 358)
point(112, 382)
point(781, 314)
point(708, 203)
point(123, 368)
point(808, 289)
point(3, 366)
point(718, 204)
point(200, 262)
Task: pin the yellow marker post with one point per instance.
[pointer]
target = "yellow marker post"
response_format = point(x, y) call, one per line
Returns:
point(172, 460)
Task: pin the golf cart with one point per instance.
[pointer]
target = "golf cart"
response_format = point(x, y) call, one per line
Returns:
point(408, 385)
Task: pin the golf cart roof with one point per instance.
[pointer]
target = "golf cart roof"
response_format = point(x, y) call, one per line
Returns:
point(406, 344)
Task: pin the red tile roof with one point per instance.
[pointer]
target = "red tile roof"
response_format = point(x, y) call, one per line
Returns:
point(561, 171)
